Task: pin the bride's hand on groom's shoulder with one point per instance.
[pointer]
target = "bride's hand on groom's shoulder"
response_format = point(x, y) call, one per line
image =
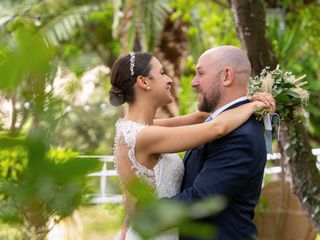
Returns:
point(265, 98)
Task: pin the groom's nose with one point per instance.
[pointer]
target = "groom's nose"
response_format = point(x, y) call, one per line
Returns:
point(194, 82)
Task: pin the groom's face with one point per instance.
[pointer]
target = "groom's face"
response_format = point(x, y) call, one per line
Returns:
point(207, 84)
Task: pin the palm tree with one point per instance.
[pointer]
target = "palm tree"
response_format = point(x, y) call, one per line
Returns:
point(58, 28)
point(173, 51)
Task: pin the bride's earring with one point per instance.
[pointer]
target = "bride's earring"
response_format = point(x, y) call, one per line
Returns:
point(148, 88)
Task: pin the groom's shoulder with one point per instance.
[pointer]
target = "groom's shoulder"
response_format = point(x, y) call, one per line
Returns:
point(251, 122)
point(250, 127)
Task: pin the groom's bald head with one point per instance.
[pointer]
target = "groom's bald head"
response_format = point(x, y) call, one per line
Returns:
point(230, 56)
point(222, 76)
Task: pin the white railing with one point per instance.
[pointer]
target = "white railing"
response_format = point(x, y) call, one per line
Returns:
point(103, 197)
point(277, 156)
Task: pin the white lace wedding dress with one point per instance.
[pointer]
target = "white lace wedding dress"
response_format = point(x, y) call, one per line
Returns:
point(165, 177)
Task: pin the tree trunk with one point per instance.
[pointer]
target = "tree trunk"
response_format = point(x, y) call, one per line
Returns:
point(13, 129)
point(305, 177)
point(249, 17)
point(172, 51)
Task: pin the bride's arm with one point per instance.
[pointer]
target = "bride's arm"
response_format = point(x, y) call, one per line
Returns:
point(199, 117)
point(129, 204)
point(125, 227)
point(189, 119)
point(157, 139)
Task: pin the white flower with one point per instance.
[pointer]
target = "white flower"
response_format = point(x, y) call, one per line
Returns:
point(291, 79)
point(267, 83)
point(304, 94)
point(297, 81)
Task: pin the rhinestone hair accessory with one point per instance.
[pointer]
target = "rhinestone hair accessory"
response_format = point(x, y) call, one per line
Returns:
point(132, 58)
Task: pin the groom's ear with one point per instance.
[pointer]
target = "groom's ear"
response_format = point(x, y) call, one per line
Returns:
point(228, 76)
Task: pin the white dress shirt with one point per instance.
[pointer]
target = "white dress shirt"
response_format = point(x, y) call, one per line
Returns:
point(221, 109)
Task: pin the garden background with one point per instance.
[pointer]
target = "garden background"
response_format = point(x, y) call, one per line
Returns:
point(55, 61)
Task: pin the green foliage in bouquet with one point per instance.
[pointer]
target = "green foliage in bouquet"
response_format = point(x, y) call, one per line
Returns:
point(287, 90)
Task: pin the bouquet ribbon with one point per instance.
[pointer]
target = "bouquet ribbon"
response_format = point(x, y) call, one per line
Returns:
point(268, 132)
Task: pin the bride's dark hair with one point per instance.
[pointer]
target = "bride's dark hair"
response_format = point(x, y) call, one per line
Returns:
point(124, 74)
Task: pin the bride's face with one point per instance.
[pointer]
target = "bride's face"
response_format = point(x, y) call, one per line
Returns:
point(160, 84)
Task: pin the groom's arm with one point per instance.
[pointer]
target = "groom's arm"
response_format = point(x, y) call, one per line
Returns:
point(225, 171)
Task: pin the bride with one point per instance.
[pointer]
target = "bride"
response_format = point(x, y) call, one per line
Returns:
point(145, 148)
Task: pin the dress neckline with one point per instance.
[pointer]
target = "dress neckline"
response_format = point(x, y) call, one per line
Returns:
point(122, 120)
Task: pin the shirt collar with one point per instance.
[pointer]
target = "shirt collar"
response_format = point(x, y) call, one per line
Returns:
point(221, 109)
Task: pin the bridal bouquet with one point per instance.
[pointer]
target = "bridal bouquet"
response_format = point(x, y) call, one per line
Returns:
point(287, 90)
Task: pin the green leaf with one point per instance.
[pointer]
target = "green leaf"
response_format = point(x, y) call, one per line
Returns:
point(74, 168)
point(293, 94)
point(142, 191)
point(63, 26)
point(34, 51)
point(30, 57)
point(12, 69)
point(198, 230)
point(9, 213)
point(210, 205)
point(282, 98)
point(287, 85)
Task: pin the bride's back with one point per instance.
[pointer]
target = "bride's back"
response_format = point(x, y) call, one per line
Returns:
point(165, 177)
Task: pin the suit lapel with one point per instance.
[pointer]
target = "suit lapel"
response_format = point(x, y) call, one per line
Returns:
point(186, 156)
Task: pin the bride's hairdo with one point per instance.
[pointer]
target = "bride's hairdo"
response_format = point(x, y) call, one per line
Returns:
point(124, 74)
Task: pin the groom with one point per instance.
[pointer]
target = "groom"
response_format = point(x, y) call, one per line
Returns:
point(231, 166)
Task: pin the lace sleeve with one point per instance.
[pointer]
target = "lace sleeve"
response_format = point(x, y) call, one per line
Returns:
point(124, 154)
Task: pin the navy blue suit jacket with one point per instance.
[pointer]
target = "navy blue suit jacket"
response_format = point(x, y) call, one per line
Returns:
point(231, 166)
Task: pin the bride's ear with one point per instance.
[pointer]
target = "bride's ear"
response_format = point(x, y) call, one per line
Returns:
point(142, 82)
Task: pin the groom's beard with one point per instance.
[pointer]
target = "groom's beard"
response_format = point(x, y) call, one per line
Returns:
point(209, 103)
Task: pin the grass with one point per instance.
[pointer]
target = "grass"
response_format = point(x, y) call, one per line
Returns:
point(98, 222)
point(101, 222)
